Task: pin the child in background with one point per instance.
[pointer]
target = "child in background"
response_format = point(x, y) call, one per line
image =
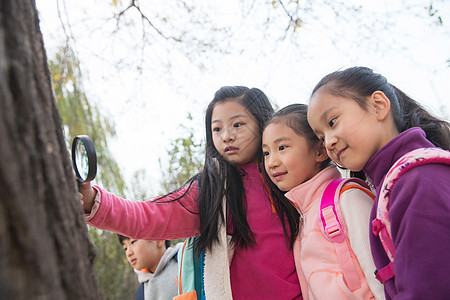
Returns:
point(155, 264)
point(368, 124)
point(227, 200)
point(296, 162)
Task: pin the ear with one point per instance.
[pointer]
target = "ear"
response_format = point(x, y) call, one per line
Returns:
point(321, 153)
point(381, 105)
point(159, 244)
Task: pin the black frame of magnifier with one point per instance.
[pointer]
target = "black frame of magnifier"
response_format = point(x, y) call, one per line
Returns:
point(91, 155)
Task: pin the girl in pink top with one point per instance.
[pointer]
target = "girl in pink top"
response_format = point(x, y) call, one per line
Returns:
point(227, 204)
point(296, 162)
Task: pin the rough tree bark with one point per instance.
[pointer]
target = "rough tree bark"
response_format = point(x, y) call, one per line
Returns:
point(45, 252)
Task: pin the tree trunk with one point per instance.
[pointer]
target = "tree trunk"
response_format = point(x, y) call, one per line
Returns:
point(45, 251)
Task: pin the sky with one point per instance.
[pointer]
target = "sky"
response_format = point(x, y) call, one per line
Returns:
point(149, 93)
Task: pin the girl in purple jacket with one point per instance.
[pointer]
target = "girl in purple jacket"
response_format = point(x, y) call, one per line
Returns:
point(366, 125)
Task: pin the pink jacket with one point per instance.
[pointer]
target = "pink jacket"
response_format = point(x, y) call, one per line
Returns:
point(319, 272)
point(147, 219)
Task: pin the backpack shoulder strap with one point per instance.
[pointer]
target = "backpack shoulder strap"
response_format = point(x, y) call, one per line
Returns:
point(185, 257)
point(140, 292)
point(190, 273)
point(381, 225)
point(333, 227)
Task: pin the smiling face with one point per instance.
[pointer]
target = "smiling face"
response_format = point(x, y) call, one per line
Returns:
point(142, 254)
point(288, 159)
point(351, 134)
point(235, 133)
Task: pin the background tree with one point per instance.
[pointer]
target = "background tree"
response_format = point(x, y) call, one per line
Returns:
point(80, 115)
point(149, 26)
point(184, 159)
point(114, 273)
point(45, 251)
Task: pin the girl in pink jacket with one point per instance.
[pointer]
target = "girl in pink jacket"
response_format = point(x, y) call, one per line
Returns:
point(296, 162)
point(245, 242)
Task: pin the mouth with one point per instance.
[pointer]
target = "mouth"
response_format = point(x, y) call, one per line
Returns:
point(278, 175)
point(339, 153)
point(231, 150)
point(133, 261)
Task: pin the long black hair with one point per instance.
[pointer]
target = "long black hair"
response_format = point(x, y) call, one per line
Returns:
point(359, 83)
point(218, 171)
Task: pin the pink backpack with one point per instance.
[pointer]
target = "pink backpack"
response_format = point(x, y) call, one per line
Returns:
point(381, 226)
point(333, 227)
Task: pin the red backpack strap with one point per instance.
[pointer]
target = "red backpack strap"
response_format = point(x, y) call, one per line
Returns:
point(386, 273)
point(334, 229)
point(381, 225)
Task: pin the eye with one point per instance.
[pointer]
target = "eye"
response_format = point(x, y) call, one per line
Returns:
point(322, 138)
point(216, 129)
point(133, 241)
point(281, 148)
point(238, 124)
point(332, 122)
point(266, 153)
point(125, 248)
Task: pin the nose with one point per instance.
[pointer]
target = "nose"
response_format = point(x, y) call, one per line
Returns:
point(272, 161)
point(228, 135)
point(330, 142)
point(129, 252)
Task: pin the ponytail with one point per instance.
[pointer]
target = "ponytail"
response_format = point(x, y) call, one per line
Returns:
point(414, 115)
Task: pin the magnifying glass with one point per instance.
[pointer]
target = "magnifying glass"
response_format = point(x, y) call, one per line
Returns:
point(84, 158)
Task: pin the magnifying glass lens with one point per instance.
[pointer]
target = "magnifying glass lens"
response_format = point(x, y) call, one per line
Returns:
point(82, 161)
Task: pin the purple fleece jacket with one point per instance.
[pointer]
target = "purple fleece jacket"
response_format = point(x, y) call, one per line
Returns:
point(420, 219)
